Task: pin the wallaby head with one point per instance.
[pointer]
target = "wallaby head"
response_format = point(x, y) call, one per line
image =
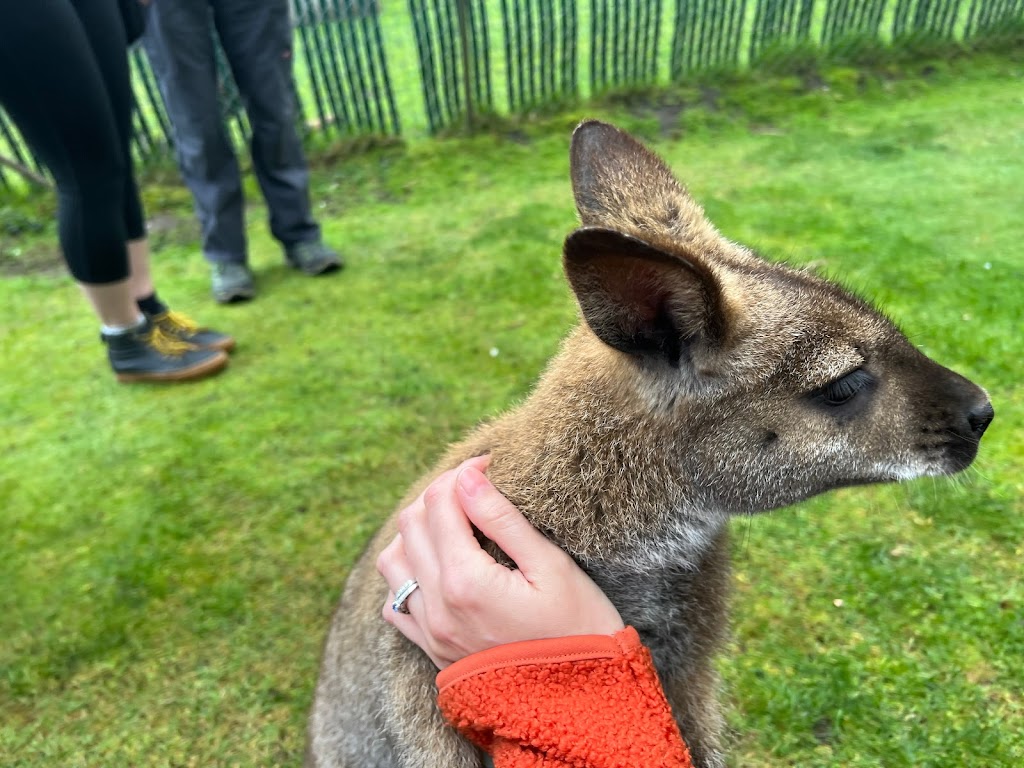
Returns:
point(767, 384)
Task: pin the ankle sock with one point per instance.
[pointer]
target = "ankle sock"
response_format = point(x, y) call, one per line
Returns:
point(117, 330)
point(151, 305)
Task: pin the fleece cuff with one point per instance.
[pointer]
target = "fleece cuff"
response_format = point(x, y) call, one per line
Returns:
point(590, 701)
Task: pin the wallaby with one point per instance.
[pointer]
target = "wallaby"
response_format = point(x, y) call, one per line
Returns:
point(703, 382)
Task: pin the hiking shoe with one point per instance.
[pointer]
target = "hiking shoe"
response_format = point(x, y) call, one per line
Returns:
point(232, 282)
point(313, 258)
point(146, 353)
point(183, 327)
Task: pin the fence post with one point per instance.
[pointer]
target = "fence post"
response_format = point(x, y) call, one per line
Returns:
point(462, 7)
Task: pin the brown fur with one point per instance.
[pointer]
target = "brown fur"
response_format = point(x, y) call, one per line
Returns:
point(704, 382)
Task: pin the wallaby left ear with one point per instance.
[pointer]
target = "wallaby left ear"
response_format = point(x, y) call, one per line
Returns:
point(620, 184)
point(642, 300)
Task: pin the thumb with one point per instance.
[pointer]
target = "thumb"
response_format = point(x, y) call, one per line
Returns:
point(500, 521)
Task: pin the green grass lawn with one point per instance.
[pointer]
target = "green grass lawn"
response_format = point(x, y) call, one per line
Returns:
point(170, 555)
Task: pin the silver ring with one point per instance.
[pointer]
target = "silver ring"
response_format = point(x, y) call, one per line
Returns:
point(398, 605)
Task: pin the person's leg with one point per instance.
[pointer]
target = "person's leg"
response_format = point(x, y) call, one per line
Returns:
point(108, 45)
point(257, 38)
point(179, 43)
point(52, 89)
point(107, 39)
point(112, 303)
point(51, 86)
point(141, 278)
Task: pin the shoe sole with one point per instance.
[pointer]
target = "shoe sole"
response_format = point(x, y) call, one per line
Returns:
point(198, 371)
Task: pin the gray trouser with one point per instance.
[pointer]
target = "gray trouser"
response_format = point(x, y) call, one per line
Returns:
point(256, 36)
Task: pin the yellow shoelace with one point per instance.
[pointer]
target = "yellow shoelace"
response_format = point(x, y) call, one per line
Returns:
point(176, 322)
point(166, 344)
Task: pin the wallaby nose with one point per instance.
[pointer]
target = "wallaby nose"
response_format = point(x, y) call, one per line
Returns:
point(979, 417)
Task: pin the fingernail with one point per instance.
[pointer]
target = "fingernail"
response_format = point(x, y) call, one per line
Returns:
point(471, 481)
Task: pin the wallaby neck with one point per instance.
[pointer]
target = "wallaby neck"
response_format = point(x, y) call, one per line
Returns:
point(679, 612)
point(587, 463)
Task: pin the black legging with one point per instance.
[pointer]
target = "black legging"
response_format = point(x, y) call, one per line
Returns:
point(65, 82)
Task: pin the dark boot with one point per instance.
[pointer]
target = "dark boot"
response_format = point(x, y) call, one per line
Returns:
point(314, 258)
point(147, 354)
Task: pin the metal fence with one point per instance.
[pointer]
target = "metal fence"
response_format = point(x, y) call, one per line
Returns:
point(408, 67)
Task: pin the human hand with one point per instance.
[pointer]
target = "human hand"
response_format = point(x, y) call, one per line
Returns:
point(466, 601)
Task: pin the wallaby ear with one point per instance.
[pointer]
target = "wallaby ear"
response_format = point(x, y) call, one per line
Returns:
point(620, 184)
point(642, 300)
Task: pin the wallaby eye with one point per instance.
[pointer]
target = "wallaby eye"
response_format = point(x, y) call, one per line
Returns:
point(844, 389)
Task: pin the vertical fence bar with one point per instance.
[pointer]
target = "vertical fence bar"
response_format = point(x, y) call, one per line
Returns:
point(569, 61)
point(540, 51)
point(624, 43)
point(26, 162)
point(340, 41)
point(343, 63)
point(929, 18)
point(992, 17)
point(449, 65)
point(150, 102)
point(424, 51)
point(332, 100)
point(481, 45)
point(531, 73)
point(453, 48)
point(511, 44)
point(384, 100)
point(845, 19)
point(707, 34)
point(323, 110)
point(348, 74)
point(779, 22)
point(467, 70)
point(546, 14)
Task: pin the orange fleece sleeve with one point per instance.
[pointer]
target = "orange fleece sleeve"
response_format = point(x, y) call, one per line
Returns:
point(591, 701)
